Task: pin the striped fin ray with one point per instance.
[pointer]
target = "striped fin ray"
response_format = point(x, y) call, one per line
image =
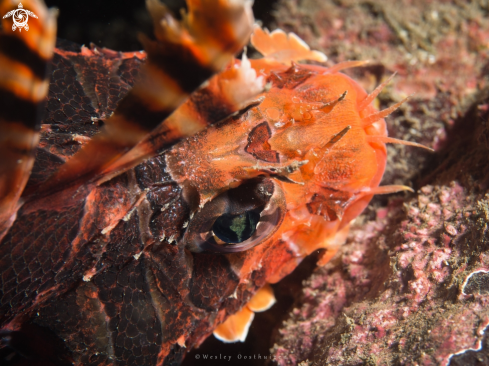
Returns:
point(183, 56)
point(225, 94)
point(24, 59)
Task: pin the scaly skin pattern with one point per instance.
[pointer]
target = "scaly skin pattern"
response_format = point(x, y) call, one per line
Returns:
point(107, 260)
point(117, 269)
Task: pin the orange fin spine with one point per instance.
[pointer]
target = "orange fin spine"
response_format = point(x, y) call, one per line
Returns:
point(327, 143)
point(388, 189)
point(371, 119)
point(370, 98)
point(390, 140)
point(325, 107)
point(330, 106)
point(326, 147)
point(346, 65)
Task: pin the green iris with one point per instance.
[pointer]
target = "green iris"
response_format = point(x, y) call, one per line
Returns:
point(236, 228)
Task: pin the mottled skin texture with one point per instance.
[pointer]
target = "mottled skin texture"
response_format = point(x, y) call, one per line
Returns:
point(415, 109)
point(46, 272)
point(82, 93)
point(103, 266)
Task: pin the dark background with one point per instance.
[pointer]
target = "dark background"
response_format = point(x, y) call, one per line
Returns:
point(115, 24)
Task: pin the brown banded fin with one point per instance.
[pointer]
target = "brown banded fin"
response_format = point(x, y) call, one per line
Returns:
point(183, 56)
point(226, 94)
point(24, 58)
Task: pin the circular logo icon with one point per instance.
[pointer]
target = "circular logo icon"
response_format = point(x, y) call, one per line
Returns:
point(20, 17)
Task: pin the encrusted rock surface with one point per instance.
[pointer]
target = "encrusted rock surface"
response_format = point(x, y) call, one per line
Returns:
point(411, 285)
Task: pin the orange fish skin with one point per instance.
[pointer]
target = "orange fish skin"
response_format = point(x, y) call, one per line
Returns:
point(302, 148)
point(290, 138)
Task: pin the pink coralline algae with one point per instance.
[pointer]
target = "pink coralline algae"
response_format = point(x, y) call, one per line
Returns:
point(404, 290)
point(411, 284)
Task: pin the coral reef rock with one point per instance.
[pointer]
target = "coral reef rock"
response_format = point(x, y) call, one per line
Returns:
point(411, 285)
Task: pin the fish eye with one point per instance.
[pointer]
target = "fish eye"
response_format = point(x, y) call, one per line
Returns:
point(236, 228)
point(237, 219)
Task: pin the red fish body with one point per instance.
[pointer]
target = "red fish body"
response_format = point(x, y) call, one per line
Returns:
point(132, 247)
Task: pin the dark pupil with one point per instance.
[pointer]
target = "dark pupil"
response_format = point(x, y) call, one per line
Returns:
point(236, 228)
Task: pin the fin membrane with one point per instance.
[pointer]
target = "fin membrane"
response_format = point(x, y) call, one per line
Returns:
point(283, 47)
point(236, 326)
point(183, 56)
